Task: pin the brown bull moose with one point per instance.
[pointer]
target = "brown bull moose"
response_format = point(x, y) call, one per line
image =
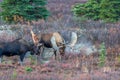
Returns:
point(53, 40)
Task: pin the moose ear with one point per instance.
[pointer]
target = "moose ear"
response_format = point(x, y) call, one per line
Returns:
point(34, 37)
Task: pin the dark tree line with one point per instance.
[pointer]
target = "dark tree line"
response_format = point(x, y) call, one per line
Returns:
point(23, 10)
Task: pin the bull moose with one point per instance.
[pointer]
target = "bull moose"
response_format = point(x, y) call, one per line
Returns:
point(53, 40)
point(16, 47)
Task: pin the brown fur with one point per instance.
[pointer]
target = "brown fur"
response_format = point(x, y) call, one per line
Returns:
point(58, 37)
point(45, 39)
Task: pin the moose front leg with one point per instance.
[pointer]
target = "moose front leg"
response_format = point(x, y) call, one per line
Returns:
point(1, 55)
point(56, 48)
point(22, 58)
point(1, 58)
point(57, 55)
point(40, 53)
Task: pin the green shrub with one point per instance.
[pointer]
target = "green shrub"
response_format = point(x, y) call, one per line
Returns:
point(28, 69)
point(110, 10)
point(102, 56)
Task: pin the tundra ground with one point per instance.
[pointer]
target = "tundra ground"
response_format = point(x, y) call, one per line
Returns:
point(73, 67)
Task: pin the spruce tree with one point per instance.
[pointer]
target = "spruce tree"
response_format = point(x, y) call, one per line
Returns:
point(107, 10)
point(110, 10)
point(90, 9)
point(23, 10)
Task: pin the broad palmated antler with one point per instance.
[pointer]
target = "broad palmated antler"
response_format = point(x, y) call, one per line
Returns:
point(73, 39)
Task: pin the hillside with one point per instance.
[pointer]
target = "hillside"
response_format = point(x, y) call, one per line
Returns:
point(58, 7)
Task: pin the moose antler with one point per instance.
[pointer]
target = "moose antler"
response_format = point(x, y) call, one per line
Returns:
point(34, 37)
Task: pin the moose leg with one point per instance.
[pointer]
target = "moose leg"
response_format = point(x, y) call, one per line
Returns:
point(1, 56)
point(40, 56)
point(41, 51)
point(56, 48)
point(57, 55)
point(22, 58)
